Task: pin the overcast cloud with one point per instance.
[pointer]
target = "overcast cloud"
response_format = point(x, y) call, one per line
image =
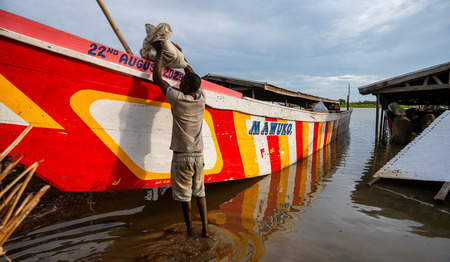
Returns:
point(316, 47)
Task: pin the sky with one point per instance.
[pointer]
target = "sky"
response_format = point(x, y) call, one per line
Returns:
point(318, 47)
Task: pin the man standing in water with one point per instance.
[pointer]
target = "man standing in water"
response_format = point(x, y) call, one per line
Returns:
point(187, 105)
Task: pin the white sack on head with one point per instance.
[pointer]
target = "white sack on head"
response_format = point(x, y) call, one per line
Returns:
point(172, 56)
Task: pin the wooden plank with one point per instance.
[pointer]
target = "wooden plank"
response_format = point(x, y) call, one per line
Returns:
point(443, 192)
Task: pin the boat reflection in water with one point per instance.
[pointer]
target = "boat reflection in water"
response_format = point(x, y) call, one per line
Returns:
point(251, 211)
point(270, 208)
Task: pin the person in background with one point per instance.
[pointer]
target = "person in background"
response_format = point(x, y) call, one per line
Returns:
point(187, 106)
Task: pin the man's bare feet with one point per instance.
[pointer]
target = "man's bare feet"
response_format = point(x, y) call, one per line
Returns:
point(205, 233)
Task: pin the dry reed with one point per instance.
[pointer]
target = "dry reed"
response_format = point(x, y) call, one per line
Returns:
point(11, 212)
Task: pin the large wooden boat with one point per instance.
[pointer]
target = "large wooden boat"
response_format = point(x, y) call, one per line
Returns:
point(100, 123)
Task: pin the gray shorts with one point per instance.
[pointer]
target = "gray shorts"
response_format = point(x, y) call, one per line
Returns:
point(187, 176)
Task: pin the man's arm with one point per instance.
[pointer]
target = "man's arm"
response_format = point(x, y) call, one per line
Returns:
point(157, 76)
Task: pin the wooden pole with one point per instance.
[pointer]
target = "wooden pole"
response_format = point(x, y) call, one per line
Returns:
point(377, 118)
point(348, 96)
point(114, 26)
point(380, 132)
point(443, 192)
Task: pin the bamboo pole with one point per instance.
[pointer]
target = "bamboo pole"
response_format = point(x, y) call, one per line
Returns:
point(114, 26)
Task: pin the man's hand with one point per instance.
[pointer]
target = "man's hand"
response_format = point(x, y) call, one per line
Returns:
point(159, 46)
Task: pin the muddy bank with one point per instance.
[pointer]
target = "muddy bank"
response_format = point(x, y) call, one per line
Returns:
point(177, 245)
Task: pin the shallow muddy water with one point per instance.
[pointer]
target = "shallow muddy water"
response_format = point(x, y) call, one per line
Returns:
point(320, 209)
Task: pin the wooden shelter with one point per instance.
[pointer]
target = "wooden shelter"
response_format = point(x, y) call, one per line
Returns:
point(267, 92)
point(429, 86)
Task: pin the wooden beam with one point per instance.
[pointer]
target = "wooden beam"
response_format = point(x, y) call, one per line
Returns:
point(425, 82)
point(443, 192)
point(370, 89)
point(437, 79)
point(286, 92)
point(413, 88)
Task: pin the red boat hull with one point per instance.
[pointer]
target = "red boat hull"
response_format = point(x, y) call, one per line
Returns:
point(100, 123)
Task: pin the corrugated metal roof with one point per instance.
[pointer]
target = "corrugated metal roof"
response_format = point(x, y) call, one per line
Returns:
point(426, 157)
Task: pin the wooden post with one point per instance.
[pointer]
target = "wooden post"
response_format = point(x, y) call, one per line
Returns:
point(443, 192)
point(380, 132)
point(114, 26)
point(348, 96)
point(377, 118)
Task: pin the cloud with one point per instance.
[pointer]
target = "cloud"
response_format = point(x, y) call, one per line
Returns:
point(315, 47)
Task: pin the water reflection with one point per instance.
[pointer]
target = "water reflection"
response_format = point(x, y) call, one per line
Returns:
point(126, 225)
point(270, 208)
point(108, 226)
point(352, 222)
point(401, 199)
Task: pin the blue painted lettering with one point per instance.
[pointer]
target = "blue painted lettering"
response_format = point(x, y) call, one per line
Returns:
point(273, 128)
point(146, 65)
point(139, 63)
point(93, 48)
point(289, 129)
point(279, 129)
point(113, 51)
point(123, 59)
point(135, 62)
point(283, 132)
point(101, 49)
point(255, 128)
point(265, 129)
point(131, 62)
point(270, 128)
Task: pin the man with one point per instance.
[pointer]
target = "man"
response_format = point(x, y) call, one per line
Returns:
point(187, 105)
